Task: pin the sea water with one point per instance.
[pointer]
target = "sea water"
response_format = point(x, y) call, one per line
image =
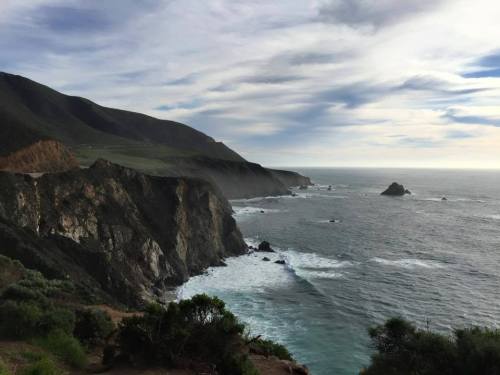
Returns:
point(435, 262)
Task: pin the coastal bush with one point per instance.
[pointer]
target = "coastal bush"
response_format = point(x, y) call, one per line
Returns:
point(401, 348)
point(270, 348)
point(56, 318)
point(93, 326)
point(64, 346)
point(199, 329)
point(43, 366)
point(21, 320)
point(3, 369)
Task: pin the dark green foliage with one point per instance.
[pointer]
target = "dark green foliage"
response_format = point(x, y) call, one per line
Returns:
point(270, 348)
point(238, 365)
point(43, 366)
point(21, 320)
point(199, 329)
point(93, 326)
point(3, 369)
point(34, 287)
point(64, 346)
point(403, 349)
point(28, 308)
point(478, 350)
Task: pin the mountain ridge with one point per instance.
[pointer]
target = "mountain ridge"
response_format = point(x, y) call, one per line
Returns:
point(30, 112)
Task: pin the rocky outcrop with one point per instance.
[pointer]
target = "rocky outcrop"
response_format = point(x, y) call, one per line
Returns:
point(396, 190)
point(289, 178)
point(235, 179)
point(134, 235)
point(39, 157)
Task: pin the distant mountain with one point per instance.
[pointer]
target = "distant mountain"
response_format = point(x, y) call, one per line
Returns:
point(30, 112)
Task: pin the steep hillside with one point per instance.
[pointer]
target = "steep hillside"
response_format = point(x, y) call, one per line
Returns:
point(135, 236)
point(30, 112)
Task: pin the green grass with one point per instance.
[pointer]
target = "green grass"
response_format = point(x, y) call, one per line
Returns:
point(150, 158)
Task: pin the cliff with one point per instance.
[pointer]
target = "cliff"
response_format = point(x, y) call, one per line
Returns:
point(234, 179)
point(111, 228)
point(289, 178)
point(42, 156)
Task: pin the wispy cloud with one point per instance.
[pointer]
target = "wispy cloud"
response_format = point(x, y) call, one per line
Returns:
point(374, 13)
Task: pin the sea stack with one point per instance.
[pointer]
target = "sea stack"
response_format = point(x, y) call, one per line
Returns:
point(396, 190)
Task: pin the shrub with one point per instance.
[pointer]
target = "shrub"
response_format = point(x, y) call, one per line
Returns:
point(57, 319)
point(44, 366)
point(270, 348)
point(93, 326)
point(3, 369)
point(66, 347)
point(199, 329)
point(404, 349)
point(238, 365)
point(21, 293)
point(19, 320)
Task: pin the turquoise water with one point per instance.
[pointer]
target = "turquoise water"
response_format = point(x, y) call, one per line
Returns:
point(432, 261)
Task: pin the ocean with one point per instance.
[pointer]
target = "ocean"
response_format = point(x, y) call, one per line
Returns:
point(435, 262)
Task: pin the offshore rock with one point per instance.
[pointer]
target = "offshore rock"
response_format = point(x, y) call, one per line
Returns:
point(396, 189)
point(265, 247)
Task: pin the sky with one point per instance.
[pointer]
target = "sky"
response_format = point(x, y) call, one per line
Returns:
point(374, 83)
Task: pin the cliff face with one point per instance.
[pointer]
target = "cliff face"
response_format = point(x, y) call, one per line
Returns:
point(289, 178)
point(133, 235)
point(235, 179)
point(42, 156)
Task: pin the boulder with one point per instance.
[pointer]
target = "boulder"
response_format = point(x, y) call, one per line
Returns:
point(266, 259)
point(444, 199)
point(265, 247)
point(280, 261)
point(396, 190)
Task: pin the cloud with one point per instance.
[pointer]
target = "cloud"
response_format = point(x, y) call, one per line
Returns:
point(483, 73)
point(440, 86)
point(372, 13)
point(459, 134)
point(466, 117)
point(288, 82)
point(486, 66)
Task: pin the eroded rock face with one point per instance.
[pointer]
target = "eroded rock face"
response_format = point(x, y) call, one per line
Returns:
point(136, 235)
point(40, 157)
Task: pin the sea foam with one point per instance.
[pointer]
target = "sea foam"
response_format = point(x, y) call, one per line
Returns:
point(409, 263)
